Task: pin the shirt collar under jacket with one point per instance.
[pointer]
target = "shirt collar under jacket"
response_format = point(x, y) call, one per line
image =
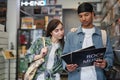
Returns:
point(97, 31)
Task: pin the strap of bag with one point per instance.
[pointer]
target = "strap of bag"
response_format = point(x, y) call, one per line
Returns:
point(104, 37)
point(43, 38)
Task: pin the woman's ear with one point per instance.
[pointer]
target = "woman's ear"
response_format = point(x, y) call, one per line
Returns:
point(51, 33)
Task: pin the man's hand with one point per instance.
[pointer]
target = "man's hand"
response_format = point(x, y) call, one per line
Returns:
point(71, 67)
point(100, 63)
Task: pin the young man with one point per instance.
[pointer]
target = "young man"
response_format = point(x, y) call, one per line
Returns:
point(87, 35)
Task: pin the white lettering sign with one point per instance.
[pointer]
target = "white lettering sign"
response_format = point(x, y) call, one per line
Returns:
point(34, 3)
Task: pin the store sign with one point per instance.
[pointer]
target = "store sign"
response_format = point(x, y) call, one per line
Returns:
point(33, 3)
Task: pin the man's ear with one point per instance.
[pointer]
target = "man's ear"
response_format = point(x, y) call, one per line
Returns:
point(93, 14)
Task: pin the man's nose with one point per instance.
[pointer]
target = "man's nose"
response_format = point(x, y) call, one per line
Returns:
point(83, 18)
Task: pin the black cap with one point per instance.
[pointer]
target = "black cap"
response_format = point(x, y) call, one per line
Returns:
point(85, 7)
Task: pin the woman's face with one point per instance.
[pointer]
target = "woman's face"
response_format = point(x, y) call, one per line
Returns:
point(58, 32)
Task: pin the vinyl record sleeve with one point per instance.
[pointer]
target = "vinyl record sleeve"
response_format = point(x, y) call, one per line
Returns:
point(84, 57)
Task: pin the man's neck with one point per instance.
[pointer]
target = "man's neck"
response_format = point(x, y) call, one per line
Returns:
point(90, 26)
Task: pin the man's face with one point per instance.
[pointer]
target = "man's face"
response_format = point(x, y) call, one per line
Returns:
point(86, 18)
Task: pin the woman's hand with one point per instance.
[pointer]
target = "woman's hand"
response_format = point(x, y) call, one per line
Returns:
point(71, 67)
point(100, 63)
point(73, 29)
point(43, 51)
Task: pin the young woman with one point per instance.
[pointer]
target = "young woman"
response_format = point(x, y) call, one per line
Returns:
point(51, 52)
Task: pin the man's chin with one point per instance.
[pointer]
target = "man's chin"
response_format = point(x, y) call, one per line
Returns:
point(85, 25)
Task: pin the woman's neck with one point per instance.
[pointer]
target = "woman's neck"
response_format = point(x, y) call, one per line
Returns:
point(54, 40)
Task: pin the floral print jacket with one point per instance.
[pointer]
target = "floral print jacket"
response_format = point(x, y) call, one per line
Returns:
point(36, 48)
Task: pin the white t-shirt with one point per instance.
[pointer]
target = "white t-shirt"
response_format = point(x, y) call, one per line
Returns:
point(117, 30)
point(52, 55)
point(88, 73)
